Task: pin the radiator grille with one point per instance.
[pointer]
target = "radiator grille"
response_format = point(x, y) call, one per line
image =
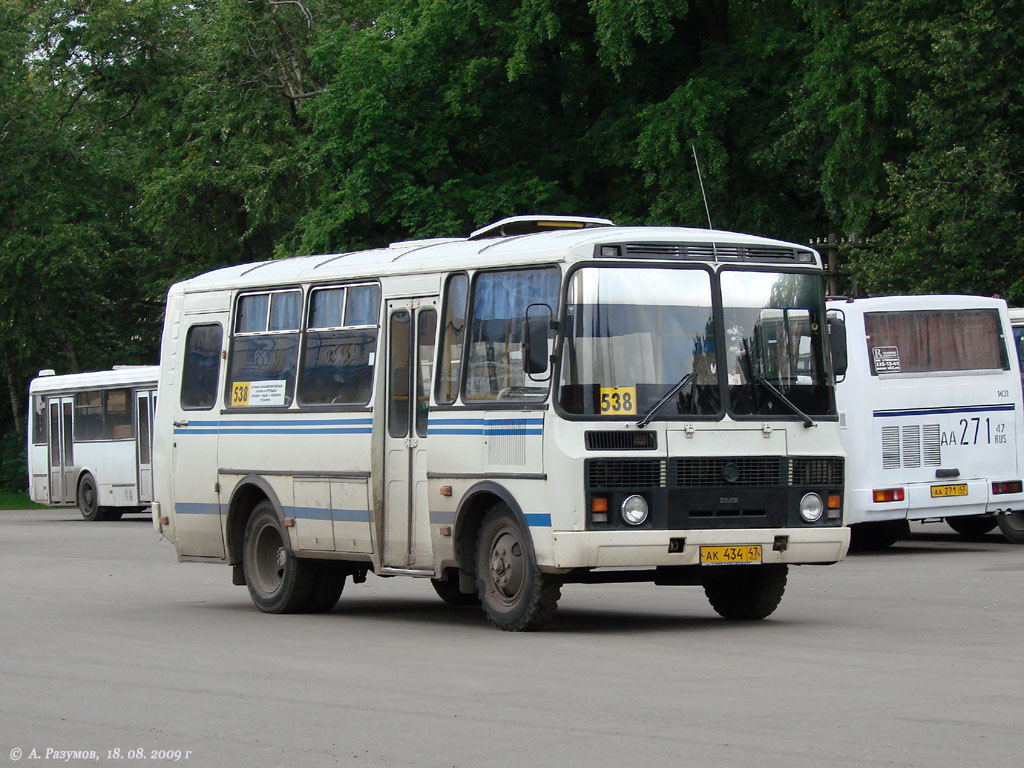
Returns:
point(726, 471)
point(817, 471)
point(625, 473)
point(620, 441)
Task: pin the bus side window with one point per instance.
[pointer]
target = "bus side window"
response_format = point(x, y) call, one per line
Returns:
point(452, 334)
point(495, 368)
point(339, 346)
point(201, 367)
point(39, 422)
point(264, 349)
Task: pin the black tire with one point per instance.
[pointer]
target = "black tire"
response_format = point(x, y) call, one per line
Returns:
point(330, 581)
point(89, 499)
point(1012, 526)
point(865, 537)
point(278, 581)
point(514, 593)
point(972, 525)
point(448, 590)
point(744, 592)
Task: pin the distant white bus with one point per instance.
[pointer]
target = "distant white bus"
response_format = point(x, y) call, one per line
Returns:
point(550, 400)
point(90, 440)
point(930, 413)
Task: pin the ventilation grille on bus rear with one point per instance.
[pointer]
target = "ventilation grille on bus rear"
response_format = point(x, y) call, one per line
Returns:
point(724, 471)
point(816, 471)
point(625, 473)
point(911, 446)
point(621, 441)
point(707, 251)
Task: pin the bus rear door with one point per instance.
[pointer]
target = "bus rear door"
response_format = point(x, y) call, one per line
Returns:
point(61, 450)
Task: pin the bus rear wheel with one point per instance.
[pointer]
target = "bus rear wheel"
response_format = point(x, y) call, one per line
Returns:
point(874, 536)
point(89, 499)
point(515, 595)
point(745, 592)
point(972, 525)
point(278, 581)
point(1012, 526)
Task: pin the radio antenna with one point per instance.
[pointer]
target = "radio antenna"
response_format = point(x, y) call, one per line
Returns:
point(701, 180)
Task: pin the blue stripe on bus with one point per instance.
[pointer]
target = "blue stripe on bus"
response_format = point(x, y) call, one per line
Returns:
point(538, 519)
point(194, 508)
point(488, 427)
point(275, 422)
point(338, 515)
point(943, 409)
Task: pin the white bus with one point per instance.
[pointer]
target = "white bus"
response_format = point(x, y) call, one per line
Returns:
point(90, 440)
point(549, 400)
point(930, 413)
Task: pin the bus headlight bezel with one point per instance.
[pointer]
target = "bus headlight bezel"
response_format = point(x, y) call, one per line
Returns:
point(811, 507)
point(634, 510)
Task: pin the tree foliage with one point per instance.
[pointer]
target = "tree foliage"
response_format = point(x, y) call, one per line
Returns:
point(143, 141)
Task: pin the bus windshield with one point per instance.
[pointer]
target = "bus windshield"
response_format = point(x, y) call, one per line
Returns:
point(633, 334)
point(775, 343)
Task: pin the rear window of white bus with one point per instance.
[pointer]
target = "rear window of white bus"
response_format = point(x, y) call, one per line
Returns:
point(932, 341)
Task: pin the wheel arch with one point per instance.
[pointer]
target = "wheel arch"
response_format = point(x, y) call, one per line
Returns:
point(248, 492)
point(474, 506)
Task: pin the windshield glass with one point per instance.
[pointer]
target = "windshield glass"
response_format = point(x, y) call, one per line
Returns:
point(774, 333)
point(633, 334)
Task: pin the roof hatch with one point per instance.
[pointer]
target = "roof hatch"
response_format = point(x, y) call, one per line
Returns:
point(526, 225)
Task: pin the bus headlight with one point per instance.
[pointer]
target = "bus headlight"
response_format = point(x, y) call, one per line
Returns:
point(634, 510)
point(811, 507)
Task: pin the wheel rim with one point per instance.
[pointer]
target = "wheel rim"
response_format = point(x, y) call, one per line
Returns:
point(270, 558)
point(506, 567)
point(88, 495)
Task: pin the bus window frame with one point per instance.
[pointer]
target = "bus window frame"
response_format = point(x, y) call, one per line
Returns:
point(512, 403)
point(221, 373)
point(306, 328)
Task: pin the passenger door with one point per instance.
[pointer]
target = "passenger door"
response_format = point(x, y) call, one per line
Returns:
point(412, 326)
point(61, 450)
point(145, 405)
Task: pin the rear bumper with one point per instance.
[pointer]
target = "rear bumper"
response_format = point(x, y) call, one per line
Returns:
point(631, 549)
point(920, 505)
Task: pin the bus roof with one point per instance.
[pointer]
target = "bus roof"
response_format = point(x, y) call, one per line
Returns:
point(546, 246)
point(119, 376)
point(918, 302)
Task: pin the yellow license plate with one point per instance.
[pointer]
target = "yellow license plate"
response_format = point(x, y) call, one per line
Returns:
point(941, 491)
point(751, 553)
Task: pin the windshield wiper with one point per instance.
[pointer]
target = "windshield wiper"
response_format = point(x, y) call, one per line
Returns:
point(808, 421)
point(646, 418)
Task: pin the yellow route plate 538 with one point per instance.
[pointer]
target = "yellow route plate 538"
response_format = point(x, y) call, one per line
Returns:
point(748, 553)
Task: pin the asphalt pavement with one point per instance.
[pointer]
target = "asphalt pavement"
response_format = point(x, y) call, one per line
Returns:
point(114, 654)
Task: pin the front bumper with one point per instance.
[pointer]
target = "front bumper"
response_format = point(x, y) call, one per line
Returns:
point(635, 549)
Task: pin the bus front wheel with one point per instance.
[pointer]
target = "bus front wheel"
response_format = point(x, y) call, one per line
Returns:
point(278, 581)
point(1012, 526)
point(745, 592)
point(514, 593)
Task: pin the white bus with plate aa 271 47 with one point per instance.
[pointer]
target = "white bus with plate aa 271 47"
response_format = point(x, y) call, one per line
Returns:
point(551, 400)
point(930, 413)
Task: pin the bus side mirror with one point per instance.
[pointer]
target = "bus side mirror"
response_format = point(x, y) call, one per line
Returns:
point(536, 356)
point(837, 344)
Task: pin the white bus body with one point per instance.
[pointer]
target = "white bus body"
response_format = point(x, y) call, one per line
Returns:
point(468, 411)
point(930, 413)
point(90, 440)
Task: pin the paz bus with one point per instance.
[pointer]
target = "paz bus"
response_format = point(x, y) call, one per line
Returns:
point(548, 401)
point(90, 440)
point(930, 413)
